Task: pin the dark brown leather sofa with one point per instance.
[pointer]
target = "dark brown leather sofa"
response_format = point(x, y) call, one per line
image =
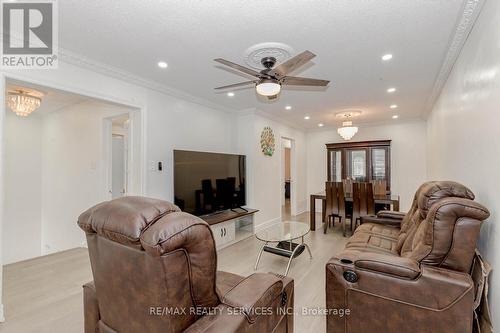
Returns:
point(409, 272)
point(155, 270)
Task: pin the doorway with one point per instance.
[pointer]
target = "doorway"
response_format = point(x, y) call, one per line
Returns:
point(118, 186)
point(287, 190)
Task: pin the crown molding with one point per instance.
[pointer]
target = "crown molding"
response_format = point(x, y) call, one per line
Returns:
point(465, 23)
point(277, 119)
point(268, 115)
point(80, 61)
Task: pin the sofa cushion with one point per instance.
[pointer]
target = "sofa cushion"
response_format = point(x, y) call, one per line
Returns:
point(379, 229)
point(365, 241)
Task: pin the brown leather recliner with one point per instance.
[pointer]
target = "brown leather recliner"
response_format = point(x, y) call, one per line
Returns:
point(155, 270)
point(409, 272)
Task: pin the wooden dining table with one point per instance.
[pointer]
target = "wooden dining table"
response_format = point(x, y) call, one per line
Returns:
point(388, 199)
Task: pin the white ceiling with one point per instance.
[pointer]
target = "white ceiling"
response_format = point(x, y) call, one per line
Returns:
point(348, 36)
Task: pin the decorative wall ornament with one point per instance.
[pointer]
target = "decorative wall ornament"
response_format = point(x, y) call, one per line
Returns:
point(267, 141)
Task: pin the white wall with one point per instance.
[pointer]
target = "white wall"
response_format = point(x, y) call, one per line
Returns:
point(72, 170)
point(23, 187)
point(464, 135)
point(177, 124)
point(264, 172)
point(408, 156)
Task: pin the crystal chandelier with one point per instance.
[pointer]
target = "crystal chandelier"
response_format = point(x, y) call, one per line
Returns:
point(347, 131)
point(22, 104)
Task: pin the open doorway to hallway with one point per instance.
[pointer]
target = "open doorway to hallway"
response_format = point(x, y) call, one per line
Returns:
point(118, 184)
point(56, 167)
point(286, 178)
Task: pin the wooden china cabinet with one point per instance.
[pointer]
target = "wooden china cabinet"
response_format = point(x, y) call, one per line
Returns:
point(360, 161)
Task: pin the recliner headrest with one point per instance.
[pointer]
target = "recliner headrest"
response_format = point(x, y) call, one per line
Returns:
point(431, 192)
point(123, 220)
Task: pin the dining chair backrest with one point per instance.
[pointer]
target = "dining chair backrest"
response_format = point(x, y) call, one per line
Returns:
point(335, 200)
point(208, 191)
point(221, 189)
point(362, 200)
point(347, 185)
point(379, 187)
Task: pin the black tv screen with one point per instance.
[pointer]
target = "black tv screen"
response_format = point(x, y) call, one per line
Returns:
point(206, 183)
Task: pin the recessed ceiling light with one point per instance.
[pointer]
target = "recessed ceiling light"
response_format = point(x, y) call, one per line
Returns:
point(162, 64)
point(387, 57)
point(320, 125)
point(395, 116)
point(394, 106)
point(288, 107)
point(230, 94)
point(391, 90)
point(307, 117)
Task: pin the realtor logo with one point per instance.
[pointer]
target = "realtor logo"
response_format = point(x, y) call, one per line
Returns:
point(29, 31)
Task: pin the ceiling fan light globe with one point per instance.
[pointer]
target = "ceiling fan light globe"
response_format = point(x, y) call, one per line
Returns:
point(268, 88)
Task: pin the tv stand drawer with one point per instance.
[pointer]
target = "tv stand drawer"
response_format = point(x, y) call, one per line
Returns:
point(224, 232)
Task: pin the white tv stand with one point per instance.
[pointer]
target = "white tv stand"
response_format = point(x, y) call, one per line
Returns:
point(231, 226)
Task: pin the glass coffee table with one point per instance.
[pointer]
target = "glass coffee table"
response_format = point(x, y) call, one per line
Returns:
point(284, 234)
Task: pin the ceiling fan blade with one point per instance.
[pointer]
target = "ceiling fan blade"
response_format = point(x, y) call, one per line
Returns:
point(236, 85)
point(292, 64)
point(303, 81)
point(246, 70)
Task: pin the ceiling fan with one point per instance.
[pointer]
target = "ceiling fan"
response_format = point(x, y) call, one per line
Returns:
point(268, 81)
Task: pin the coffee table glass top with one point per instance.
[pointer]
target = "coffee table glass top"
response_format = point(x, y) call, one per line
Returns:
point(283, 231)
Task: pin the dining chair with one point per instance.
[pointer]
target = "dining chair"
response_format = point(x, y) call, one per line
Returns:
point(221, 194)
point(208, 195)
point(379, 187)
point(347, 186)
point(335, 204)
point(363, 202)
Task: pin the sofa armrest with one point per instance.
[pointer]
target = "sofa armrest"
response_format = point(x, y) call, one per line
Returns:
point(380, 220)
point(434, 288)
point(390, 214)
point(252, 294)
point(258, 290)
point(388, 264)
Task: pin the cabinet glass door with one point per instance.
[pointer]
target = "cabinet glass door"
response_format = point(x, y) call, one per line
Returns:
point(335, 165)
point(356, 164)
point(379, 164)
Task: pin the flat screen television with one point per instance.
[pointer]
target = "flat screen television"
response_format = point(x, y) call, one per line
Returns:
point(207, 183)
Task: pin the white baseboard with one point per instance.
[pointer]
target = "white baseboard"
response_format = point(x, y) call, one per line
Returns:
point(2, 318)
point(302, 211)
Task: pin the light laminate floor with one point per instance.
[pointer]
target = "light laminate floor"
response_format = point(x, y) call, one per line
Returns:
point(45, 294)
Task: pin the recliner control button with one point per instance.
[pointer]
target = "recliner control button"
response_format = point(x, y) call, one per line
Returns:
point(350, 276)
point(284, 298)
